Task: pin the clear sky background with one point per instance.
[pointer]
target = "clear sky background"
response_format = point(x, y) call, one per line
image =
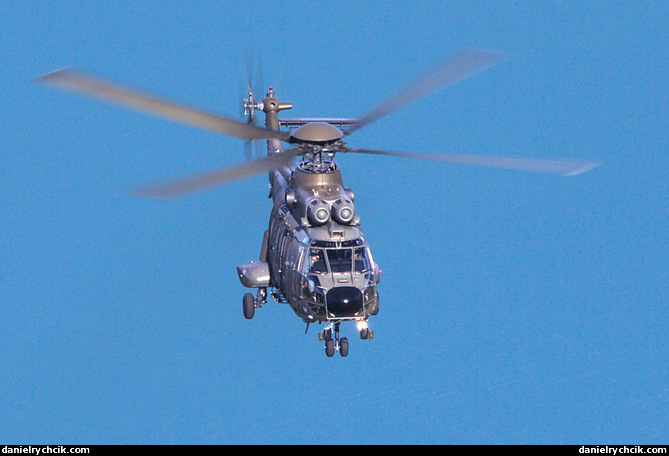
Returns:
point(515, 307)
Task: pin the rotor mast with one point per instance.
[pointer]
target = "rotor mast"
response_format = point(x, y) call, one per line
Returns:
point(271, 106)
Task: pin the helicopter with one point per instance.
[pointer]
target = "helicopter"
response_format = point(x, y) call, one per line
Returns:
point(314, 255)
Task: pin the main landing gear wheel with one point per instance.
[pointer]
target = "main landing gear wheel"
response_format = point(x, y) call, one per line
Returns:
point(249, 306)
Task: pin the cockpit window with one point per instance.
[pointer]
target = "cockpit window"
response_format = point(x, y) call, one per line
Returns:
point(316, 261)
point(340, 259)
point(361, 263)
point(348, 259)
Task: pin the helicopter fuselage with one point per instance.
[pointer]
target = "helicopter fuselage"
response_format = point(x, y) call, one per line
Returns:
point(318, 257)
point(314, 255)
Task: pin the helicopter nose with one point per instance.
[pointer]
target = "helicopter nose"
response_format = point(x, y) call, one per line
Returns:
point(344, 301)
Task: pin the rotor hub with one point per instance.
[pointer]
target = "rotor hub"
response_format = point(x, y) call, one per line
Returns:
point(316, 133)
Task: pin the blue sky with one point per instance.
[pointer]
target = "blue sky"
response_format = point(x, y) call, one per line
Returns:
point(515, 308)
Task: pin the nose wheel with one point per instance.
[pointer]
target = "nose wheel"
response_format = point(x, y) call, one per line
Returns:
point(334, 343)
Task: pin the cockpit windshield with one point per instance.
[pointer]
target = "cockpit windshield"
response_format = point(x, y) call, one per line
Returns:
point(316, 261)
point(325, 259)
point(340, 259)
point(361, 260)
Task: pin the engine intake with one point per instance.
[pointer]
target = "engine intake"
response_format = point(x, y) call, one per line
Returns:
point(318, 212)
point(343, 211)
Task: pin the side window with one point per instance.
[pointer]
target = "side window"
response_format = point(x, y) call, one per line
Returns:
point(275, 238)
point(284, 259)
point(301, 264)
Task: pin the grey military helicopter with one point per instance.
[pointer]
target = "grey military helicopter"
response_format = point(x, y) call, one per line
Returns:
point(314, 255)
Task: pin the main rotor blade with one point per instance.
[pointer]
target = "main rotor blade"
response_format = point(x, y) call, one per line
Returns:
point(218, 177)
point(460, 66)
point(86, 84)
point(540, 165)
